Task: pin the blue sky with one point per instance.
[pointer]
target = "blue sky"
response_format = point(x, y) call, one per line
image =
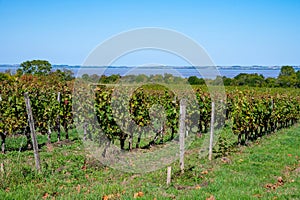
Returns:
point(232, 32)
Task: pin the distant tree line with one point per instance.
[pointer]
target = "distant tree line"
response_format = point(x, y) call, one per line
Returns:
point(287, 77)
point(39, 68)
point(141, 78)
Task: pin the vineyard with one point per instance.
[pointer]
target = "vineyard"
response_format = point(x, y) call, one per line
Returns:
point(150, 100)
point(137, 117)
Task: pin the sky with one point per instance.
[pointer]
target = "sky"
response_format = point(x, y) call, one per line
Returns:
point(257, 32)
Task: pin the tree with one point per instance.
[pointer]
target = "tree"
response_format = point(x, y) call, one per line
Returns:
point(68, 74)
point(287, 71)
point(106, 79)
point(85, 77)
point(226, 81)
point(271, 82)
point(158, 78)
point(94, 78)
point(141, 78)
point(113, 78)
point(218, 81)
point(169, 78)
point(254, 80)
point(287, 77)
point(65, 75)
point(298, 78)
point(37, 67)
point(4, 76)
point(19, 72)
point(194, 80)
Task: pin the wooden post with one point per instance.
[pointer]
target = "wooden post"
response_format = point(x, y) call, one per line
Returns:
point(131, 135)
point(3, 138)
point(212, 122)
point(89, 132)
point(2, 167)
point(33, 135)
point(182, 133)
point(58, 118)
point(169, 175)
point(49, 135)
point(84, 130)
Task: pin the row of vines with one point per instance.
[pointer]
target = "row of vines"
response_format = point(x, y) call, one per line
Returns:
point(140, 116)
point(49, 113)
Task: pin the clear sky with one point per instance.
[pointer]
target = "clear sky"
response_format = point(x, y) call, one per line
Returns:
point(256, 32)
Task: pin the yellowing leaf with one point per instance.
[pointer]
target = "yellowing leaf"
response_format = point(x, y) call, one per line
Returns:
point(138, 194)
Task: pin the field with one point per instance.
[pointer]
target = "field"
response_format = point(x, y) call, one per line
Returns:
point(250, 172)
point(255, 153)
point(150, 100)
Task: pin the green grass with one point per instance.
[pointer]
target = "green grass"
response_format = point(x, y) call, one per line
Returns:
point(18, 142)
point(68, 172)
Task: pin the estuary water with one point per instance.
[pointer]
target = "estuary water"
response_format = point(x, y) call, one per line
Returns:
point(177, 71)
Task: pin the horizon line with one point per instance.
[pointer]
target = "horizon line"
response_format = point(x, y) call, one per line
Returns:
point(78, 65)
